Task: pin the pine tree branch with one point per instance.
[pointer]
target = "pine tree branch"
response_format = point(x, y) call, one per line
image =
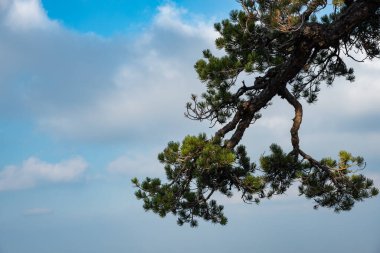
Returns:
point(297, 120)
point(313, 36)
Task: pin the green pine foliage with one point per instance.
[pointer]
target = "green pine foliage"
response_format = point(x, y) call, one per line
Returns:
point(283, 48)
point(196, 168)
point(199, 167)
point(340, 187)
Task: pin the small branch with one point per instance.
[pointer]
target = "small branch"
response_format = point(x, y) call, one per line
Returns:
point(313, 7)
point(238, 134)
point(229, 126)
point(297, 120)
point(318, 165)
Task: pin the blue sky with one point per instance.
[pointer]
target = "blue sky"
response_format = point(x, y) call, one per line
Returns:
point(91, 91)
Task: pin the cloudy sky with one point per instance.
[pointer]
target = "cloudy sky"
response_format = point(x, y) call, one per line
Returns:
point(91, 91)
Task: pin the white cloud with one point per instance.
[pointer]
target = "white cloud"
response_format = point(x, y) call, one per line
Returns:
point(34, 171)
point(25, 15)
point(38, 211)
point(170, 17)
point(79, 86)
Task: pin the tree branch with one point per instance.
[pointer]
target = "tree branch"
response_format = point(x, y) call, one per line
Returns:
point(312, 37)
point(297, 120)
